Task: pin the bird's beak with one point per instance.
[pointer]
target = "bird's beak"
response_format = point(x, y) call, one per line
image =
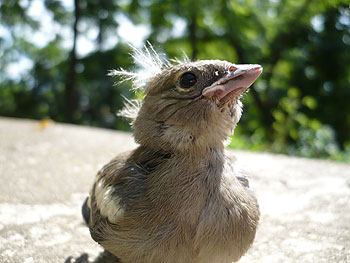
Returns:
point(237, 80)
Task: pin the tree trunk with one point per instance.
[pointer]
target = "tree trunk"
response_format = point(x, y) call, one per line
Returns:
point(71, 94)
point(193, 35)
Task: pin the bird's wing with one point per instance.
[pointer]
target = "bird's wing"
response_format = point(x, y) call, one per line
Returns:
point(120, 189)
point(241, 176)
point(103, 202)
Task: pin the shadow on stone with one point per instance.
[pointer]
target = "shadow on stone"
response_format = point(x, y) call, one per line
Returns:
point(104, 257)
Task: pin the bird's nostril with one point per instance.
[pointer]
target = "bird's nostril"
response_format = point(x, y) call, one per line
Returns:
point(218, 93)
point(232, 68)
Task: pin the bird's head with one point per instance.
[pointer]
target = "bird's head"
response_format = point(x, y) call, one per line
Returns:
point(189, 106)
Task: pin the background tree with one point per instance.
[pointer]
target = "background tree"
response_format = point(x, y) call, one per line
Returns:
point(299, 105)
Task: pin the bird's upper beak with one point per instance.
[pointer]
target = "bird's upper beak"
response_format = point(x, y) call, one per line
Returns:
point(237, 80)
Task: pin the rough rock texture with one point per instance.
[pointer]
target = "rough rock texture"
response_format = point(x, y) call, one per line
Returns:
point(46, 170)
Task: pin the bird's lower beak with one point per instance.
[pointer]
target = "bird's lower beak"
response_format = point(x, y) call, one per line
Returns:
point(238, 79)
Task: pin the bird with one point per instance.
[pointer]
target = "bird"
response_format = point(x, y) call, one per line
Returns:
point(179, 197)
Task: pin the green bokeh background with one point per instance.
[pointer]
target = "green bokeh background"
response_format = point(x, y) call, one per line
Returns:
point(299, 106)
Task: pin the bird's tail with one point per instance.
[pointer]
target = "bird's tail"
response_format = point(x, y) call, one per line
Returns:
point(85, 210)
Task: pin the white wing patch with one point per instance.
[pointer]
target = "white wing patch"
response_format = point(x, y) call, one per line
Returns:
point(108, 204)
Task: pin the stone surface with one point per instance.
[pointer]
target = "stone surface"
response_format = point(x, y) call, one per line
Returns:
point(46, 170)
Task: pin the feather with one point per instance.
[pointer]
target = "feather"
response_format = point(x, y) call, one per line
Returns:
point(148, 64)
point(131, 108)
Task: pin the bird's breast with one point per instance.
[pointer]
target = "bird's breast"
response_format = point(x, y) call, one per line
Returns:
point(204, 215)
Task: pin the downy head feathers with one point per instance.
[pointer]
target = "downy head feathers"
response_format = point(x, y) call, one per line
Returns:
point(148, 64)
point(187, 105)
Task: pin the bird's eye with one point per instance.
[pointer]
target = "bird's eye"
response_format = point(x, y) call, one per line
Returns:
point(187, 80)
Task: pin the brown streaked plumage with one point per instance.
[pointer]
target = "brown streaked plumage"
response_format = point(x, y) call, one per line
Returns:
point(179, 197)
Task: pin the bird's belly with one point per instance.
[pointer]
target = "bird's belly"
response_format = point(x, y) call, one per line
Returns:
point(224, 233)
point(210, 240)
point(176, 247)
point(191, 230)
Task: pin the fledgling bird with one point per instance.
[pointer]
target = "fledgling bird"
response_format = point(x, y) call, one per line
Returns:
point(178, 197)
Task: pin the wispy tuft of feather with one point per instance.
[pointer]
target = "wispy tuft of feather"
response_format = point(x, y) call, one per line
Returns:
point(184, 59)
point(148, 63)
point(131, 108)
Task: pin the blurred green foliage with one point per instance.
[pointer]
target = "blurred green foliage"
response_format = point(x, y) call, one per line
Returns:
point(300, 105)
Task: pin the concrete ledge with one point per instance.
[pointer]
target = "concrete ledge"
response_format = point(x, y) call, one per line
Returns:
point(46, 170)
